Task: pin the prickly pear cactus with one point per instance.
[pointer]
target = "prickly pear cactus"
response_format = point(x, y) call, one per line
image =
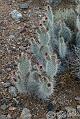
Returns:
point(33, 84)
point(65, 32)
point(62, 48)
point(46, 89)
point(22, 74)
point(43, 36)
point(24, 66)
point(68, 15)
point(45, 52)
point(78, 40)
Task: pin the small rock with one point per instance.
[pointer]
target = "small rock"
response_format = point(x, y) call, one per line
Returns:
point(77, 98)
point(4, 106)
point(78, 109)
point(17, 102)
point(3, 117)
point(50, 107)
point(62, 115)
point(22, 48)
point(1, 71)
point(11, 37)
point(12, 108)
point(51, 115)
point(9, 116)
point(13, 49)
point(7, 84)
point(25, 114)
point(24, 6)
point(5, 100)
point(23, 30)
point(13, 91)
point(70, 111)
point(17, 16)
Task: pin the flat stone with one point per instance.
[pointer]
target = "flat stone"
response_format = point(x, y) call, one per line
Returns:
point(62, 115)
point(4, 106)
point(71, 112)
point(17, 16)
point(12, 108)
point(16, 101)
point(1, 71)
point(3, 117)
point(6, 84)
point(9, 116)
point(25, 114)
point(50, 107)
point(24, 6)
point(11, 37)
point(13, 91)
point(78, 109)
point(51, 115)
point(77, 98)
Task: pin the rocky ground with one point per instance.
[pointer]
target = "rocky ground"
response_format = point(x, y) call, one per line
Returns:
point(14, 38)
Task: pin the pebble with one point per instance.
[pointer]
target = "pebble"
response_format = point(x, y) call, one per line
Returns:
point(6, 85)
point(25, 114)
point(17, 102)
point(1, 71)
point(4, 106)
point(11, 37)
point(9, 116)
point(12, 108)
point(22, 48)
point(51, 115)
point(24, 6)
point(78, 109)
point(77, 98)
point(70, 111)
point(13, 49)
point(62, 115)
point(3, 117)
point(50, 107)
point(17, 16)
point(5, 100)
point(13, 91)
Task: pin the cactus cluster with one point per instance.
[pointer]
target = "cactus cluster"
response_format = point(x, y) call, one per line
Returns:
point(77, 52)
point(77, 45)
point(74, 57)
point(68, 15)
point(37, 77)
point(57, 2)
